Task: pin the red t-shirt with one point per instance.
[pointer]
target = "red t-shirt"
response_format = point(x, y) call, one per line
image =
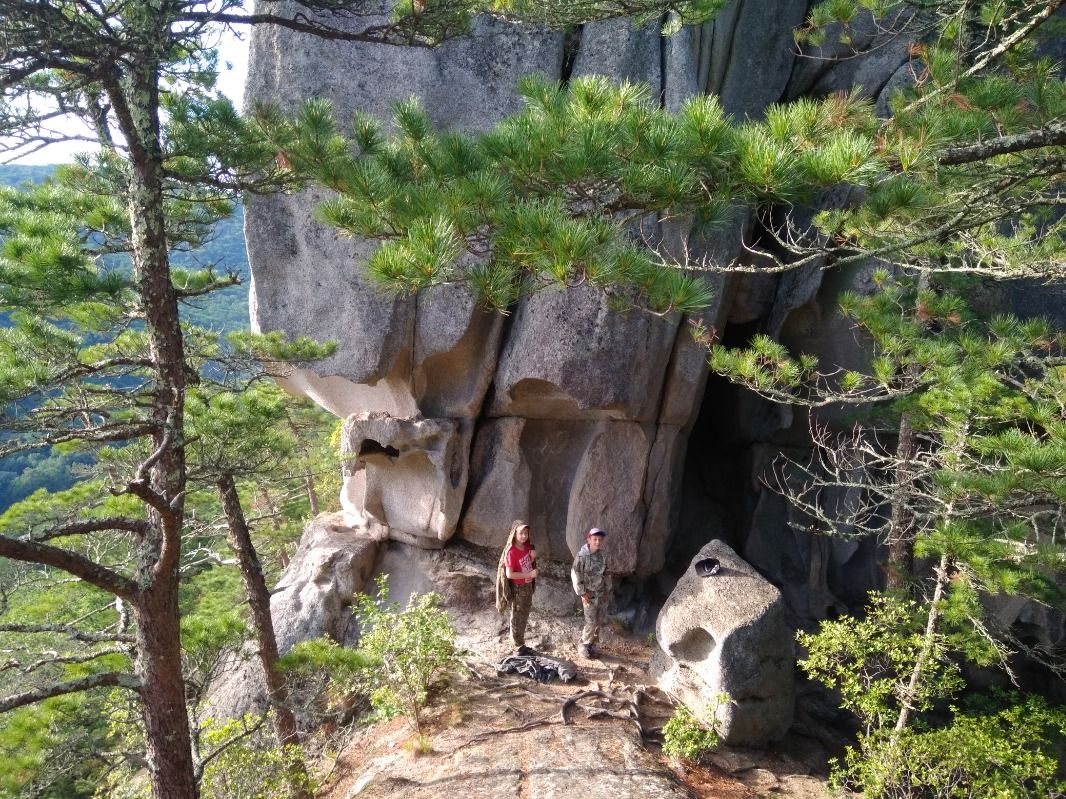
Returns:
point(520, 561)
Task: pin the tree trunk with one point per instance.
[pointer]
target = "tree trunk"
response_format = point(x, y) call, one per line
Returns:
point(910, 693)
point(255, 586)
point(312, 495)
point(160, 480)
point(166, 720)
point(900, 564)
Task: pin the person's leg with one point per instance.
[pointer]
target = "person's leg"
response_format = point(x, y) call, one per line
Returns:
point(601, 613)
point(523, 600)
point(590, 632)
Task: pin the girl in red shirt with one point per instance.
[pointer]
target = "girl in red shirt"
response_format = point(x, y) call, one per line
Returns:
point(519, 562)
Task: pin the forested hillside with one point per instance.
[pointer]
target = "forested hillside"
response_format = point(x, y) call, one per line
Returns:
point(223, 311)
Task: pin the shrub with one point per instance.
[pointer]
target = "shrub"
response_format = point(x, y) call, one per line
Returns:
point(249, 765)
point(409, 652)
point(1007, 754)
point(685, 736)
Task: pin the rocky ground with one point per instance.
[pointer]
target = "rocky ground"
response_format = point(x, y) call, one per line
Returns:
point(507, 736)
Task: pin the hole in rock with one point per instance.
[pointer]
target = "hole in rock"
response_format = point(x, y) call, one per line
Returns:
point(371, 447)
point(694, 646)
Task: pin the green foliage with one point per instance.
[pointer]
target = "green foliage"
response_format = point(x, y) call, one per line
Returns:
point(869, 660)
point(404, 654)
point(250, 765)
point(549, 197)
point(978, 80)
point(410, 651)
point(1011, 753)
point(52, 750)
point(684, 736)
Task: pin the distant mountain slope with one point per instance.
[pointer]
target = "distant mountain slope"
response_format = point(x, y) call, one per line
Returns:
point(223, 311)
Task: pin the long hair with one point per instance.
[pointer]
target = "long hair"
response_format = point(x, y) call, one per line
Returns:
point(515, 526)
point(504, 587)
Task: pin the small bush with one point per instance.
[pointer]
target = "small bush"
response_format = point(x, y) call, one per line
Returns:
point(409, 652)
point(685, 736)
point(1012, 753)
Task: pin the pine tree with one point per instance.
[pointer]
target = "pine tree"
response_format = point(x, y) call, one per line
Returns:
point(96, 358)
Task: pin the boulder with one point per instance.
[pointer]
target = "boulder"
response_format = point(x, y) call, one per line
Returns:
point(312, 599)
point(726, 633)
point(404, 478)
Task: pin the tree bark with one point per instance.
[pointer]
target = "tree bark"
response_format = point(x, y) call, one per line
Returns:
point(258, 595)
point(312, 494)
point(900, 565)
point(910, 693)
point(166, 718)
point(160, 480)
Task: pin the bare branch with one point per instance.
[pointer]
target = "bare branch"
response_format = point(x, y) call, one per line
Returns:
point(64, 629)
point(71, 562)
point(108, 679)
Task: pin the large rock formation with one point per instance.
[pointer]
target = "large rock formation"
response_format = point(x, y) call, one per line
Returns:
point(564, 412)
point(725, 634)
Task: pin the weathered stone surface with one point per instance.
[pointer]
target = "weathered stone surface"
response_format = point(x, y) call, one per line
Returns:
point(312, 599)
point(468, 82)
point(500, 485)
point(865, 63)
point(590, 761)
point(306, 281)
point(563, 477)
point(404, 478)
point(662, 497)
point(608, 491)
point(819, 577)
point(568, 356)
point(313, 596)
point(621, 50)
point(905, 76)
point(455, 347)
point(687, 373)
point(745, 54)
point(727, 633)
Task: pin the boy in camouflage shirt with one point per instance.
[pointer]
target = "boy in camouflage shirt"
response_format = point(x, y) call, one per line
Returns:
point(589, 575)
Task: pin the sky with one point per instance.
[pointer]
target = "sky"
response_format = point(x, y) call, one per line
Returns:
point(233, 68)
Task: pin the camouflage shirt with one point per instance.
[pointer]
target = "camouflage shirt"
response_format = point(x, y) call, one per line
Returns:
point(589, 572)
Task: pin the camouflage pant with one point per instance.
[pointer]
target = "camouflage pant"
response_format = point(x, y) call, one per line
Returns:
point(520, 605)
point(594, 613)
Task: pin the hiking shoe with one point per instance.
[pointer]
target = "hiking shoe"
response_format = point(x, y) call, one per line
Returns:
point(524, 650)
point(594, 653)
point(587, 652)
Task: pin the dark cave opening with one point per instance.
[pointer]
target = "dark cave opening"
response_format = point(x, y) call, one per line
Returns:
point(717, 495)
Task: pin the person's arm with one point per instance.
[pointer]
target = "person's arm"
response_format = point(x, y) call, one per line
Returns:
point(577, 577)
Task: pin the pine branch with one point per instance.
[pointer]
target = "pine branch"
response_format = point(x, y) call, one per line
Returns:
point(78, 565)
point(138, 527)
point(107, 679)
point(53, 658)
point(1020, 34)
point(1054, 135)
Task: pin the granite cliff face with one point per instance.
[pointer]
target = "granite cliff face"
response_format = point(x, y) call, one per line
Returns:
point(563, 413)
